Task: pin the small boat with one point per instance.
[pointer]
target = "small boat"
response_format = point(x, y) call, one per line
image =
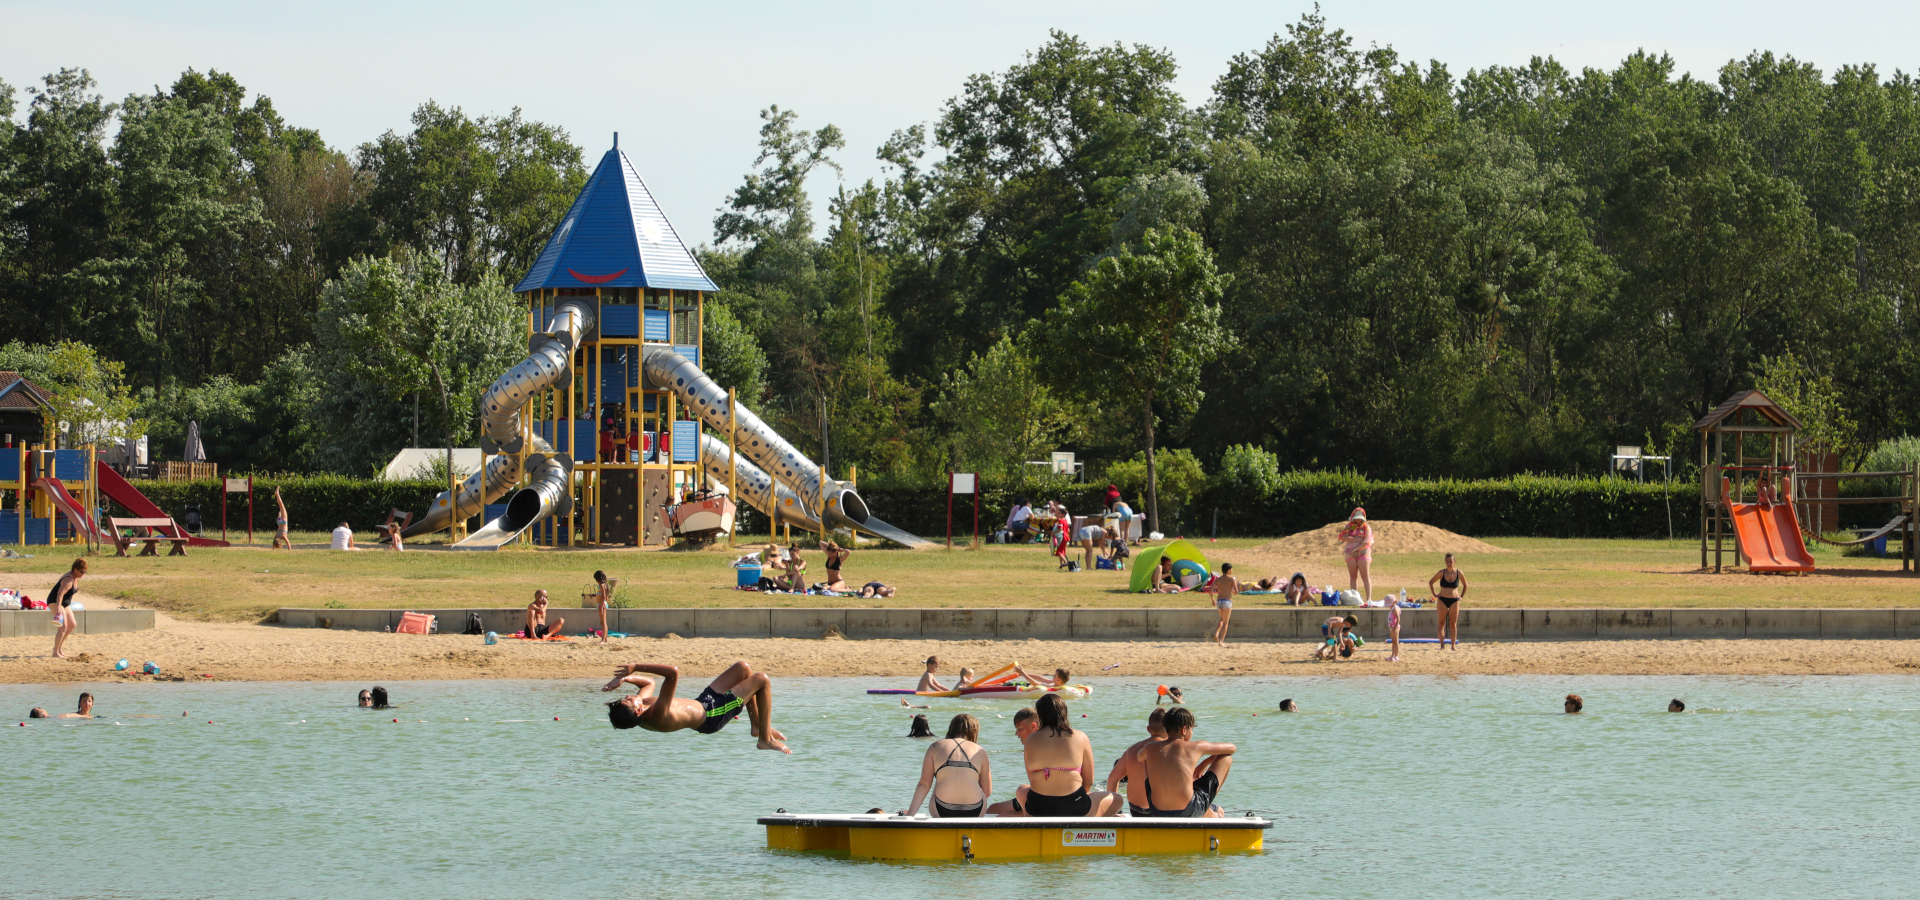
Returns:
point(701, 517)
point(920, 838)
point(999, 692)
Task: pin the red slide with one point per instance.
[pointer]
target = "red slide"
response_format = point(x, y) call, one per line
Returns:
point(75, 514)
point(1769, 535)
point(123, 492)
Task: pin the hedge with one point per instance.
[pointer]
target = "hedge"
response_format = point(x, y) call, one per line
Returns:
point(314, 502)
point(1525, 505)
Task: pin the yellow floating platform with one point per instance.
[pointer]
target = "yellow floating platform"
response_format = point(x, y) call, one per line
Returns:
point(879, 836)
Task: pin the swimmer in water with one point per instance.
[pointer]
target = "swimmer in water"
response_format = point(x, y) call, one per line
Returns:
point(1059, 679)
point(903, 702)
point(38, 713)
point(927, 681)
point(738, 689)
point(1288, 705)
point(1676, 706)
point(918, 728)
point(1173, 694)
point(1575, 704)
point(85, 709)
point(366, 699)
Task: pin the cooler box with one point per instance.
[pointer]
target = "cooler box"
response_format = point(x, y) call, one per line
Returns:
point(746, 577)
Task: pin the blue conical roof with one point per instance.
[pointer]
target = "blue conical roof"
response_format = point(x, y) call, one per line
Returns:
point(615, 235)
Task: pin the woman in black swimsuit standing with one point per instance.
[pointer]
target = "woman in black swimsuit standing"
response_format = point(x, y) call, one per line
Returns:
point(1449, 586)
point(955, 770)
point(60, 602)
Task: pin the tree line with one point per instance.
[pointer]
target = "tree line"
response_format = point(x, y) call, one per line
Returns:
point(1347, 259)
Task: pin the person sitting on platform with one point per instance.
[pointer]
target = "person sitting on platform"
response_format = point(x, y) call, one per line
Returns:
point(737, 689)
point(1063, 758)
point(955, 771)
point(1189, 772)
point(1126, 769)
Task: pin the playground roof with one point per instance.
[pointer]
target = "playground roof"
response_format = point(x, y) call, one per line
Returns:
point(1753, 400)
point(19, 393)
point(615, 235)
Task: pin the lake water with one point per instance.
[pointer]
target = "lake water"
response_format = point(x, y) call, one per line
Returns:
point(1405, 787)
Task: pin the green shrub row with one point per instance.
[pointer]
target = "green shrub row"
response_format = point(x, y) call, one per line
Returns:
point(314, 502)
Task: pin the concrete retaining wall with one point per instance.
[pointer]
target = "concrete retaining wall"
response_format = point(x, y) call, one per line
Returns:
point(39, 623)
point(1184, 624)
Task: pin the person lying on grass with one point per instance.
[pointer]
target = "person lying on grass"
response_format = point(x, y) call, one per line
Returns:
point(737, 689)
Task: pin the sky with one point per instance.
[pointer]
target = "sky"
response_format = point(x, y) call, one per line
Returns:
point(683, 83)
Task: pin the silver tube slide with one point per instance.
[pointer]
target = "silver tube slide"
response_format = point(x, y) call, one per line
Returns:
point(831, 501)
point(548, 363)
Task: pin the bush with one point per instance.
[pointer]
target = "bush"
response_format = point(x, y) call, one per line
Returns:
point(314, 502)
point(1178, 473)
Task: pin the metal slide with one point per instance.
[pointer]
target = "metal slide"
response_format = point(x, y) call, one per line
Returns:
point(547, 364)
point(804, 499)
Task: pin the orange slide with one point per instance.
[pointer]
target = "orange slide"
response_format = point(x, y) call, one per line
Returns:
point(1768, 534)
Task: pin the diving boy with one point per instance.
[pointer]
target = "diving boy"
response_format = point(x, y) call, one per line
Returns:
point(738, 689)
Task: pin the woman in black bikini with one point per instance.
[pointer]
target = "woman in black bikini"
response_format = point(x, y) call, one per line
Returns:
point(1449, 586)
point(60, 603)
point(1063, 758)
point(955, 770)
point(836, 555)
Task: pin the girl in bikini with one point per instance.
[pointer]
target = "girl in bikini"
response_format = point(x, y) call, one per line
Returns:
point(1449, 586)
point(1357, 544)
point(1063, 758)
point(836, 555)
point(280, 538)
point(60, 603)
point(955, 771)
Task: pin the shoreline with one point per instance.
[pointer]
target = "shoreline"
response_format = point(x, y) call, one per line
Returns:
point(196, 651)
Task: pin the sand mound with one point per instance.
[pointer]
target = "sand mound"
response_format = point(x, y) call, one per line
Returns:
point(1388, 537)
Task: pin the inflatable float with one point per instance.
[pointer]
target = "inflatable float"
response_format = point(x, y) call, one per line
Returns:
point(998, 686)
point(919, 838)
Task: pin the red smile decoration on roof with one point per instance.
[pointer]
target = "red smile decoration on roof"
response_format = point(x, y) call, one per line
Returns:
point(596, 279)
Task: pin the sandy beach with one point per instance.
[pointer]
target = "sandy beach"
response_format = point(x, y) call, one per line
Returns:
point(245, 652)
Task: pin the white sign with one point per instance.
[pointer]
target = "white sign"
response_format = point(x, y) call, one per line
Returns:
point(1080, 837)
point(236, 485)
point(963, 482)
point(1063, 464)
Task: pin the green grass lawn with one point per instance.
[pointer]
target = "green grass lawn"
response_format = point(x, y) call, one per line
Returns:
point(248, 583)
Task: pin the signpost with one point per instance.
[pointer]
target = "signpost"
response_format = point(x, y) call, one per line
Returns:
point(963, 483)
point(237, 486)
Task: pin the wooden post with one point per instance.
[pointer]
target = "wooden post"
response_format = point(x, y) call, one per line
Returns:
point(733, 453)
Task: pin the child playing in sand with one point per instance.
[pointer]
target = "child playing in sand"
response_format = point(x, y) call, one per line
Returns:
point(737, 689)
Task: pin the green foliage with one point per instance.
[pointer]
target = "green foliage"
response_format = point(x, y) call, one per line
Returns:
point(1811, 397)
point(1246, 469)
point(1894, 455)
point(1180, 475)
point(90, 402)
point(314, 502)
point(999, 415)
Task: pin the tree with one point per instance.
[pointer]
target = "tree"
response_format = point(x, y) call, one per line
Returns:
point(401, 323)
point(1815, 400)
point(90, 401)
point(998, 413)
point(1140, 325)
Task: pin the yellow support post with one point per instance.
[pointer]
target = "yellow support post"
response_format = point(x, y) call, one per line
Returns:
point(733, 452)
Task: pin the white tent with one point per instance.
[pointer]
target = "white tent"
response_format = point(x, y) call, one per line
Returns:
point(417, 462)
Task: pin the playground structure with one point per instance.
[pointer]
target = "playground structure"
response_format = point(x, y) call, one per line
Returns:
point(1752, 488)
point(609, 421)
point(54, 489)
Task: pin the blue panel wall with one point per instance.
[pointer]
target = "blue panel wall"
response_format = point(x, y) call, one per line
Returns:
point(686, 437)
point(620, 321)
point(619, 370)
point(583, 449)
point(70, 465)
point(9, 464)
point(659, 326)
point(37, 529)
point(493, 511)
point(690, 351)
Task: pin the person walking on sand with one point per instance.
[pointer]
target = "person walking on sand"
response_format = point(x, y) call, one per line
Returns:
point(1449, 587)
point(738, 689)
point(537, 627)
point(956, 772)
point(1224, 587)
point(60, 605)
point(1356, 543)
point(603, 599)
point(280, 538)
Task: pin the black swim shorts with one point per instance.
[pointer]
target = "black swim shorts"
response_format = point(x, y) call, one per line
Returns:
point(722, 707)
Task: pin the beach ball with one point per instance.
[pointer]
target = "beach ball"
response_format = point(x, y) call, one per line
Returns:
point(493, 638)
point(120, 666)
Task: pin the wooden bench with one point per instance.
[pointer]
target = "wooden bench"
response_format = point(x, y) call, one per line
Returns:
point(160, 529)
